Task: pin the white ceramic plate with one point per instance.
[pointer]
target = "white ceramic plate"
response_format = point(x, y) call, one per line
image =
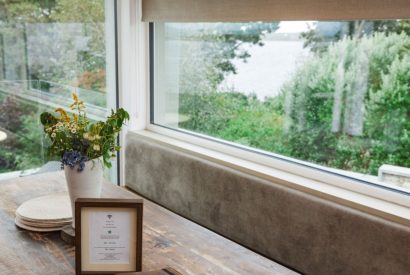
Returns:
point(50, 208)
point(37, 229)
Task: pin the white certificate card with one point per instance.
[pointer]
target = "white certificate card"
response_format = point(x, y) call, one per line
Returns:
point(109, 237)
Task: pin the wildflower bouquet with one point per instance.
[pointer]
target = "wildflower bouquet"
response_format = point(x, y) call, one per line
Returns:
point(75, 139)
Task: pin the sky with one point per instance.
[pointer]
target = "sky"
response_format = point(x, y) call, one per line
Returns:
point(294, 26)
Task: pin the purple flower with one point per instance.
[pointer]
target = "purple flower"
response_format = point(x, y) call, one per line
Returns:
point(73, 158)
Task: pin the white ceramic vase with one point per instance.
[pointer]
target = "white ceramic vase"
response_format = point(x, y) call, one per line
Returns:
point(84, 184)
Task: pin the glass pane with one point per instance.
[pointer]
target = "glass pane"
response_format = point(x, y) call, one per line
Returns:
point(334, 94)
point(49, 49)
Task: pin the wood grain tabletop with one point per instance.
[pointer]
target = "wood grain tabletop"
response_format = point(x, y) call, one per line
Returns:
point(168, 239)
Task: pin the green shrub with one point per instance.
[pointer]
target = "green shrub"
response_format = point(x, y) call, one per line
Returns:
point(349, 107)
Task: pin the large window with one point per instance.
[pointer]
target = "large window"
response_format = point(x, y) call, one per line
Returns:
point(334, 94)
point(49, 49)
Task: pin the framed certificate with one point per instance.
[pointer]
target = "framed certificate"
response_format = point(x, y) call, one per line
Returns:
point(108, 235)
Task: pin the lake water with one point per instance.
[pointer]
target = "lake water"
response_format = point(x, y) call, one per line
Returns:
point(268, 68)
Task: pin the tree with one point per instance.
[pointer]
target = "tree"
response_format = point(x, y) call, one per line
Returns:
point(319, 37)
point(91, 15)
point(348, 107)
point(389, 116)
point(59, 41)
point(54, 40)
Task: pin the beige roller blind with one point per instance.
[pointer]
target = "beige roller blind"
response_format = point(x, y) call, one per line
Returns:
point(271, 10)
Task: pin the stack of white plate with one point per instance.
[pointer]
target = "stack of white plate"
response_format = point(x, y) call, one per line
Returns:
point(43, 214)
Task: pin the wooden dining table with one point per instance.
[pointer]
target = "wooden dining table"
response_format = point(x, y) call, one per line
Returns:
point(168, 239)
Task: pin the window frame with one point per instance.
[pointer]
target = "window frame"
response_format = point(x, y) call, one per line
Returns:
point(41, 99)
point(281, 162)
point(367, 195)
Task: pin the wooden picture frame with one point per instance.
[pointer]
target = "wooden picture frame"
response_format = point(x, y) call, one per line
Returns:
point(108, 235)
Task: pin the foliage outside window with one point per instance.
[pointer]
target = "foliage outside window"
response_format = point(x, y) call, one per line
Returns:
point(335, 94)
point(47, 50)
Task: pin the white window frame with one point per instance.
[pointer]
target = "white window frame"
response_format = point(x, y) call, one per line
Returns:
point(371, 197)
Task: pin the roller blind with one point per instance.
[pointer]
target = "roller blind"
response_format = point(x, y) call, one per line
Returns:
point(271, 10)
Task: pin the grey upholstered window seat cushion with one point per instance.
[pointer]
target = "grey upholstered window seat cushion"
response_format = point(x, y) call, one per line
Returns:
point(307, 233)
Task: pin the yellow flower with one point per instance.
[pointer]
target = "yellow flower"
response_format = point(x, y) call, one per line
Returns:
point(85, 135)
point(63, 114)
point(53, 135)
point(96, 147)
point(73, 131)
point(77, 104)
point(75, 96)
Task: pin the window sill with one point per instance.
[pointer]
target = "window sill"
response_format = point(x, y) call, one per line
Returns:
point(374, 206)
